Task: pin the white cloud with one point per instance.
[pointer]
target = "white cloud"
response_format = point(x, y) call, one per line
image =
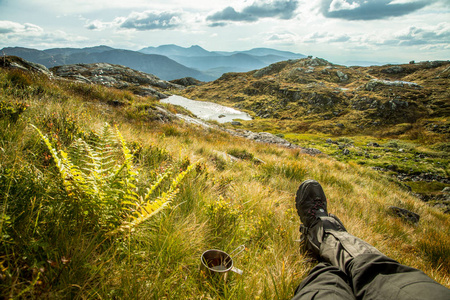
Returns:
point(8, 27)
point(141, 21)
point(437, 36)
point(325, 38)
point(283, 38)
point(342, 4)
point(31, 35)
point(151, 20)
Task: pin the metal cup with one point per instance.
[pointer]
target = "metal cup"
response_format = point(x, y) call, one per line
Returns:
point(218, 263)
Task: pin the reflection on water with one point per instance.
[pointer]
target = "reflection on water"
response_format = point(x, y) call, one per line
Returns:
point(208, 110)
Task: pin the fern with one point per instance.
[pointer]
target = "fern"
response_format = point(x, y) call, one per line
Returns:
point(100, 177)
point(149, 208)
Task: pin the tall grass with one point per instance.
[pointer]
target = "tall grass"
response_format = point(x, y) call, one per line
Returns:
point(220, 204)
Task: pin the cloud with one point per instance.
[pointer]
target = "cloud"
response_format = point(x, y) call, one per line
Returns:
point(340, 39)
point(31, 35)
point(98, 25)
point(429, 37)
point(218, 24)
point(370, 10)
point(150, 20)
point(280, 9)
point(435, 35)
point(8, 27)
point(326, 38)
point(141, 21)
point(284, 38)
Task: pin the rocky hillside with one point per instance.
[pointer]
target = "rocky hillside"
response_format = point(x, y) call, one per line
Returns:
point(109, 75)
point(313, 94)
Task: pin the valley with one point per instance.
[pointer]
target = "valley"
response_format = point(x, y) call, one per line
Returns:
point(402, 109)
point(108, 192)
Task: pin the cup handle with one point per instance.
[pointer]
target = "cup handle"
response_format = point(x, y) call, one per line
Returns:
point(239, 249)
point(236, 270)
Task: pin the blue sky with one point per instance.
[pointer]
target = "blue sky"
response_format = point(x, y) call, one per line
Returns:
point(337, 30)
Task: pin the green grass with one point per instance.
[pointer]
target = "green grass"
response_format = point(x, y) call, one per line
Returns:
point(47, 249)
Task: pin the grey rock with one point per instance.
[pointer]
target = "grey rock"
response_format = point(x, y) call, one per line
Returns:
point(186, 81)
point(116, 76)
point(374, 83)
point(314, 62)
point(15, 62)
point(342, 76)
point(373, 145)
point(393, 70)
point(148, 91)
point(405, 214)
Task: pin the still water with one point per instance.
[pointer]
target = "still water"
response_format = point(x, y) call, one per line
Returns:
point(208, 110)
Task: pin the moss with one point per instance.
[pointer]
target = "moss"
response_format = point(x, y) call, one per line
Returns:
point(424, 187)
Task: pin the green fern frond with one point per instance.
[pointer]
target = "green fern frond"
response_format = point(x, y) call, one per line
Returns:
point(72, 177)
point(156, 184)
point(101, 176)
point(149, 208)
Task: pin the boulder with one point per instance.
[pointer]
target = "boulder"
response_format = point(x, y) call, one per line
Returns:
point(342, 76)
point(115, 76)
point(14, 62)
point(393, 70)
point(186, 81)
point(375, 83)
point(405, 214)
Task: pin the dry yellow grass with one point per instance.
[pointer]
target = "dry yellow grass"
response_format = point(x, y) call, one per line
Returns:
point(224, 205)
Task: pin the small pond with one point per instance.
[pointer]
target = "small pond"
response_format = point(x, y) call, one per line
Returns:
point(208, 110)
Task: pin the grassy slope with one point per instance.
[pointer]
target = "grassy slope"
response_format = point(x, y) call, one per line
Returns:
point(306, 102)
point(222, 205)
point(308, 96)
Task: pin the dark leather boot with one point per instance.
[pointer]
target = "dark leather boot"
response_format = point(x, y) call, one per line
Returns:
point(324, 234)
point(311, 204)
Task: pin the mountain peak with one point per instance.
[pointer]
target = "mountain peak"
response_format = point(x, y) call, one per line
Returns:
point(175, 50)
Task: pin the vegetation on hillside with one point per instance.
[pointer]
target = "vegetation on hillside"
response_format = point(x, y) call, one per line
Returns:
point(313, 95)
point(344, 111)
point(59, 213)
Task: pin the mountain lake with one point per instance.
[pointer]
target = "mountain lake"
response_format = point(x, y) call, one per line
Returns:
point(208, 110)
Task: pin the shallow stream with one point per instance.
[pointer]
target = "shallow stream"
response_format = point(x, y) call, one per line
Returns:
point(208, 110)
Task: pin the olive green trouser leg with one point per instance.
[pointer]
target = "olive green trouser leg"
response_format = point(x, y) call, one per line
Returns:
point(325, 282)
point(372, 275)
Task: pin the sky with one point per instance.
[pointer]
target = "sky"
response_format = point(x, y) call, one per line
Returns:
point(384, 31)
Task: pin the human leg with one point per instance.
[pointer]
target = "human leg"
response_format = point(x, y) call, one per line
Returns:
point(372, 274)
point(324, 282)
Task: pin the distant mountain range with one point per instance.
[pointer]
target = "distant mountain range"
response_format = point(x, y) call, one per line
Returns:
point(168, 62)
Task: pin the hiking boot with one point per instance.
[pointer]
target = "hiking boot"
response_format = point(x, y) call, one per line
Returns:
point(310, 202)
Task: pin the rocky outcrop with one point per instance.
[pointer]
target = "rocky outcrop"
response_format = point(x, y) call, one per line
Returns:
point(341, 75)
point(272, 69)
point(186, 81)
point(116, 76)
point(405, 214)
point(268, 138)
point(373, 84)
point(14, 62)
